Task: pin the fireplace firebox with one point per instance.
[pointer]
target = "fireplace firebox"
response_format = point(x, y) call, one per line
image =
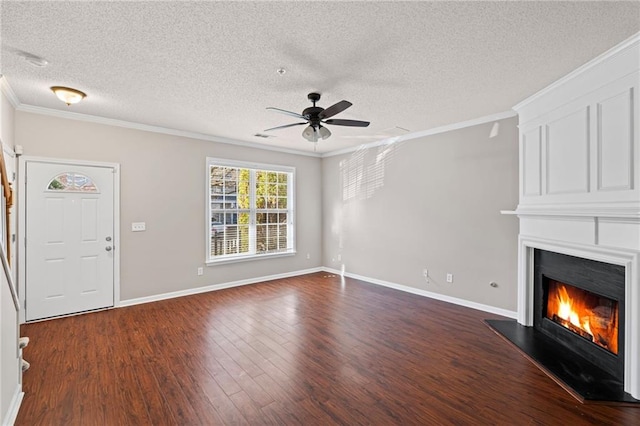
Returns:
point(586, 314)
point(579, 303)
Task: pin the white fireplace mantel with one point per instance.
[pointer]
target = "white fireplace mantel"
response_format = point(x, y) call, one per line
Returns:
point(580, 180)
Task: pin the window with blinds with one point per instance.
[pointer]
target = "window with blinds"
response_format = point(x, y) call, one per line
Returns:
point(250, 210)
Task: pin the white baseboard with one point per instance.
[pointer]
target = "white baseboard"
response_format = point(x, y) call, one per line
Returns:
point(14, 407)
point(214, 287)
point(437, 296)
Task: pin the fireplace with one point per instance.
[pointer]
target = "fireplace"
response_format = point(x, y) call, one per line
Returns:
point(579, 238)
point(591, 350)
point(580, 304)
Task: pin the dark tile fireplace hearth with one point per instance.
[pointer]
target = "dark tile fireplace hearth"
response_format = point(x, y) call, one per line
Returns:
point(578, 326)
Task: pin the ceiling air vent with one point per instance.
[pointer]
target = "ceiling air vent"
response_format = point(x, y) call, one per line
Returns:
point(262, 135)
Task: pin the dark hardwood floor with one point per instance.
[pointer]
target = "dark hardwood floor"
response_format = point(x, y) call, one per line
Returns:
point(309, 350)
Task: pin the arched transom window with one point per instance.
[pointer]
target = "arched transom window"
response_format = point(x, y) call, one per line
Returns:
point(72, 182)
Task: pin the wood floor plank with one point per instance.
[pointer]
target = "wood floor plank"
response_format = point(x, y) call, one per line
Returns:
point(312, 350)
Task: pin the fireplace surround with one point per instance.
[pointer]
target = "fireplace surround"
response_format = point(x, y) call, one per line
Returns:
point(579, 190)
point(629, 261)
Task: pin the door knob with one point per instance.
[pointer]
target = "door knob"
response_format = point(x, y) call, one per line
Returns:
point(108, 248)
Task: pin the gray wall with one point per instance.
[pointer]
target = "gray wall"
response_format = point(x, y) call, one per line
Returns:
point(163, 183)
point(433, 202)
point(388, 212)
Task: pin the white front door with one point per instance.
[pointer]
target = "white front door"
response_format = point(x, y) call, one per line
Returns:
point(69, 239)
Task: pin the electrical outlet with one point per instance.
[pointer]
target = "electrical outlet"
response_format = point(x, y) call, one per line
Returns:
point(138, 226)
point(308, 256)
point(339, 257)
point(200, 271)
point(449, 278)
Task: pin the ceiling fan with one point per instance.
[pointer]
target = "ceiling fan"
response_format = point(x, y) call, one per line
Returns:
point(316, 116)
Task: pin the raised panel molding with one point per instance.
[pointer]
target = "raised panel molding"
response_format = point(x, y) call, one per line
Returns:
point(567, 154)
point(615, 142)
point(615, 232)
point(531, 163)
point(561, 228)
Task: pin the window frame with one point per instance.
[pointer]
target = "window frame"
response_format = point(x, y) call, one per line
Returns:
point(253, 167)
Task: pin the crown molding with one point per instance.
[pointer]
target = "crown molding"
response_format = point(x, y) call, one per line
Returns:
point(154, 129)
point(429, 132)
point(615, 50)
point(200, 136)
point(8, 92)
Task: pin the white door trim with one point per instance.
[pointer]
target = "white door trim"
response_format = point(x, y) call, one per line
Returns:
point(21, 192)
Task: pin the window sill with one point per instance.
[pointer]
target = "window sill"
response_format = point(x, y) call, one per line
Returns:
point(236, 259)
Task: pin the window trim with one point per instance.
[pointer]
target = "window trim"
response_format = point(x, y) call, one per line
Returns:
point(291, 189)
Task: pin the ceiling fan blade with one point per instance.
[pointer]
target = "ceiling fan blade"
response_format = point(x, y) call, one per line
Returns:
point(283, 111)
point(352, 123)
point(284, 127)
point(334, 109)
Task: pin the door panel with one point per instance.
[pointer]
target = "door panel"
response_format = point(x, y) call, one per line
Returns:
point(69, 232)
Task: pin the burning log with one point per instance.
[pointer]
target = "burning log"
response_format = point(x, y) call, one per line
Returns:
point(575, 329)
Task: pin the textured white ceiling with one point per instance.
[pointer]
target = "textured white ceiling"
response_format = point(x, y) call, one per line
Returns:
point(210, 67)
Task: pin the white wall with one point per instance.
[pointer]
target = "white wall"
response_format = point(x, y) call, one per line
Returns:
point(432, 202)
point(163, 183)
point(10, 379)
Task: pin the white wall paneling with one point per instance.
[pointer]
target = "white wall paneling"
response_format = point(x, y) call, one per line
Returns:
point(615, 142)
point(589, 150)
point(563, 228)
point(567, 154)
point(616, 232)
point(531, 161)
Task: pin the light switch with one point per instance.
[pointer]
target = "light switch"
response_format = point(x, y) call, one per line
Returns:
point(138, 226)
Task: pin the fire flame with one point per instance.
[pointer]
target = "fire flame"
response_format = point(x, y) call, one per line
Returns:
point(567, 312)
point(586, 314)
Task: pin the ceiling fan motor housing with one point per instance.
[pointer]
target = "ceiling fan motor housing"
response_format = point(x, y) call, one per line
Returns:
point(313, 115)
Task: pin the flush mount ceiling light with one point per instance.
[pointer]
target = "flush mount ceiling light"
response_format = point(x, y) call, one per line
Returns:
point(68, 95)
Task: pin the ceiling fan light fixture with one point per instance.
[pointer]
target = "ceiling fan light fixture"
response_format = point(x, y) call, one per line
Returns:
point(324, 132)
point(68, 95)
point(310, 134)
